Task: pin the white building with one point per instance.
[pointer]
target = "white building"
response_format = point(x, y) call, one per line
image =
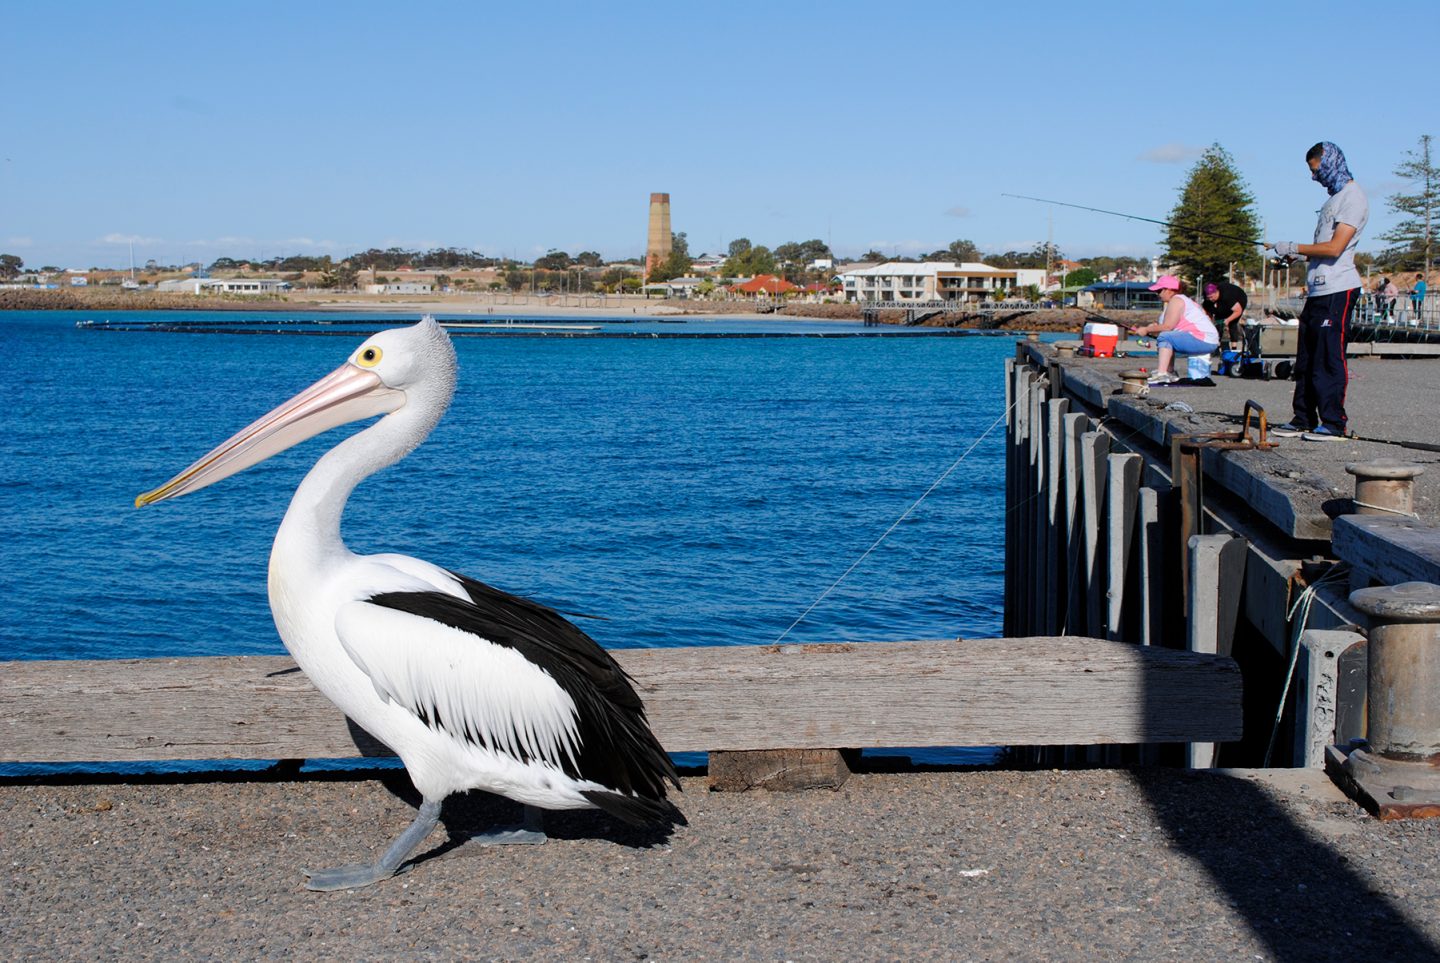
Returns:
point(250, 285)
point(401, 287)
point(674, 288)
point(707, 263)
point(938, 281)
point(247, 286)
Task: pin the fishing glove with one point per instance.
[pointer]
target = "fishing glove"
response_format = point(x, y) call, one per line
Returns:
point(1286, 249)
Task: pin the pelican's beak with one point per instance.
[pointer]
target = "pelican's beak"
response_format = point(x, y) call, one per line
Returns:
point(347, 394)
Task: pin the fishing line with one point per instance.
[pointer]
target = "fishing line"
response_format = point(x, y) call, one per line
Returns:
point(916, 504)
point(1137, 217)
point(1302, 605)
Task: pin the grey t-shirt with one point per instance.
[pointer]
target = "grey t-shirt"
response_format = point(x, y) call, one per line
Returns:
point(1336, 274)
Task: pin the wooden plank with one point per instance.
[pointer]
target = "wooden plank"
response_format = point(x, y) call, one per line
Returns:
point(1011, 496)
point(1074, 584)
point(1216, 573)
point(1024, 619)
point(1152, 564)
point(1391, 549)
point(1037, 569)
point(1094, 470)
point(1055, 411)
point(778, 770)
point(1121, 497)
point(1035, 691)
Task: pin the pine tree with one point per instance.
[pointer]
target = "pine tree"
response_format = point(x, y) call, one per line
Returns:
point(1416, 234)
point(1216, 200)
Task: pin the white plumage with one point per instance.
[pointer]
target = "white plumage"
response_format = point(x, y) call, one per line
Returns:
point(471, 687)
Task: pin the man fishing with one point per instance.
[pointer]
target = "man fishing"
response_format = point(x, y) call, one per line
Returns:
point(1226, 303)
point(1333, 288)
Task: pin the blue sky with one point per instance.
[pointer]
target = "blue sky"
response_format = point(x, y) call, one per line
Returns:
point(264, 128)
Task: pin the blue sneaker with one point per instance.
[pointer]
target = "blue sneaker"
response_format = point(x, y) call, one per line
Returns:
point(1324, 433)
point(1289, 430)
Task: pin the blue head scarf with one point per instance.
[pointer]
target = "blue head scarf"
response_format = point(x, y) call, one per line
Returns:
point(1332, 173)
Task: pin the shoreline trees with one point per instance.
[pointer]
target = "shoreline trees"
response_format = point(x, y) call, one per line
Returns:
point(1214, 201)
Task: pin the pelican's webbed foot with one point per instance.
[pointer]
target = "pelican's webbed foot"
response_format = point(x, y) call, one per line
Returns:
point(531, 831)
point(363, 874)
point(353, 876)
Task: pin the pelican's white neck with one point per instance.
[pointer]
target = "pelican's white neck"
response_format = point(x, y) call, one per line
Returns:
point(311, 528)
point(425, 373)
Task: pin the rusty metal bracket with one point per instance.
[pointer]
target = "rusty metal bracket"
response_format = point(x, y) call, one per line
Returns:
point(1234, 440)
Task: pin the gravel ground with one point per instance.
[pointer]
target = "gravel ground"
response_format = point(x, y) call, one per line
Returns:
point(944, 866)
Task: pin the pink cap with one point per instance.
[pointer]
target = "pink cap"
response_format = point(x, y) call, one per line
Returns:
point(1169, 281)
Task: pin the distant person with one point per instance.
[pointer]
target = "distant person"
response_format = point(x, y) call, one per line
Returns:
point(1333, 287)
point(1417, 296)
point(1183, 328)
point(1226, 303)
point(1388, 292)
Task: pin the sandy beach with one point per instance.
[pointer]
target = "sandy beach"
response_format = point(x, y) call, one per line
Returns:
point(504, 305)
point(476, 305)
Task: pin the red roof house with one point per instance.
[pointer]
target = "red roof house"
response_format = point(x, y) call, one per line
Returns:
point(765, 284)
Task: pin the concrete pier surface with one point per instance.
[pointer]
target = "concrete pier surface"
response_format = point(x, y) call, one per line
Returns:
point(1389, 400)
point(989, 865)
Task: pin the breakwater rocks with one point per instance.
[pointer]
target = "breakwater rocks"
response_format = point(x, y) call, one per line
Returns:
point(1040, 319)
point(101, 299)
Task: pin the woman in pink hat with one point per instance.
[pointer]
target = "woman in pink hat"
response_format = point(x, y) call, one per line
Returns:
point(1183, 327)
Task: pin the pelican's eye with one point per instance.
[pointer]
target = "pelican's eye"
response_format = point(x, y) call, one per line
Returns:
point(369, 358)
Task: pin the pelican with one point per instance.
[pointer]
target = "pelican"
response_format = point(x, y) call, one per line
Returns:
point(471, 687)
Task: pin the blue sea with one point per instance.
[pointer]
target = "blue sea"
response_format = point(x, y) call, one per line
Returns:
point(689, 489)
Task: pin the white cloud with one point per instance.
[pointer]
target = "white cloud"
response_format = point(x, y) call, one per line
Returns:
point(19, 241)
point(408, 245)
point(900, 247)
point(958, 211)
point(1171, 153)
point(115, 238)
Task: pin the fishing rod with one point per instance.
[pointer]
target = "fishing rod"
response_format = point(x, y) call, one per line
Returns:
point(1137, 217)
point(1413, 445)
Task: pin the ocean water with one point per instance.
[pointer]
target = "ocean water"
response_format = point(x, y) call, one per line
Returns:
point(687, 490)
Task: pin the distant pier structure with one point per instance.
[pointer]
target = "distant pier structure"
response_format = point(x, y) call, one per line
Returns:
point(657, 245)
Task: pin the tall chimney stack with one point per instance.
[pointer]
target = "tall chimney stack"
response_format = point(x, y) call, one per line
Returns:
point(657, 246)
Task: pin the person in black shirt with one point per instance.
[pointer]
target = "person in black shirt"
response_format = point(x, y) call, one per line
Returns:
point(1225, 303)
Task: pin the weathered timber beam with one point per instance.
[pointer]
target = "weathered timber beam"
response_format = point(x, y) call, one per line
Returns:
point(1391, 549)
point(1033, 691)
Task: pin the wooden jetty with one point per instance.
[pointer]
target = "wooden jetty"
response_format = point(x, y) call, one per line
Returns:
point(1170, 517)
point(747, 702)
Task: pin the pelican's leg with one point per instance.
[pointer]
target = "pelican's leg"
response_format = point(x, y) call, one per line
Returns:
point(363, 874)
point(532, 831)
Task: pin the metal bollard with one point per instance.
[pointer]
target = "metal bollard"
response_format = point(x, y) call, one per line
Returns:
point(1133, 382)
point(1385, 486)
point(1403, 712)
point(1065, 350)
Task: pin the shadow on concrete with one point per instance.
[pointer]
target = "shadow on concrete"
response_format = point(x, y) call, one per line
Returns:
point(1296, 893)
